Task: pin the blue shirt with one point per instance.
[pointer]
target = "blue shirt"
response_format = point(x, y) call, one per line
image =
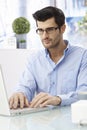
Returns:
point(65, 78)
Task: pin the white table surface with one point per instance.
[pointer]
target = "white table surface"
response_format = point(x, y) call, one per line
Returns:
point(57, 119)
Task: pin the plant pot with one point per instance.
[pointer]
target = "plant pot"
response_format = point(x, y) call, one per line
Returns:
point(22, 45)
point(21, 40)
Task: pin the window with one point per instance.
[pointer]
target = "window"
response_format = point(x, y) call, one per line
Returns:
point(11, 9)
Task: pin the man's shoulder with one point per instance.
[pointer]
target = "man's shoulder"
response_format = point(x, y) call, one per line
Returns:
point(79, 48)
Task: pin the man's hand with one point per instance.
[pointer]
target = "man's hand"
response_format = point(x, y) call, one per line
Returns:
point(44, 99)
point(18, 100)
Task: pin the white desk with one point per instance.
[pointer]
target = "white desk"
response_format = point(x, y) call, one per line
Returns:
point(57, 119)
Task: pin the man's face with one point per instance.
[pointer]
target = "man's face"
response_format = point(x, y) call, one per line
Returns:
point(49, 33)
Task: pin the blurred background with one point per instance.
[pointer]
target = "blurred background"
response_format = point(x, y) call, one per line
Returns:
point(76, 20)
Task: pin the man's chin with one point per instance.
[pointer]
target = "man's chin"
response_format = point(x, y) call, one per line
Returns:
point(47, 46)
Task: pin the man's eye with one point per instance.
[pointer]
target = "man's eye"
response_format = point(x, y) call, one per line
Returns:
point(40, 30)
point(50, 29)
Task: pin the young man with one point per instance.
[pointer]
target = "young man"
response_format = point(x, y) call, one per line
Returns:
point(56, 73)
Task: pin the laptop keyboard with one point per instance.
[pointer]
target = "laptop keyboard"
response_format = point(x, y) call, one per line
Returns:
point(20, 111)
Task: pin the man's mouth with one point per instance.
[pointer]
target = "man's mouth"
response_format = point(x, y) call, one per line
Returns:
point(46, 41)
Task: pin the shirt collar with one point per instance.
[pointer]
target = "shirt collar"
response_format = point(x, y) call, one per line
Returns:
point(68, 45)
point(46, 52)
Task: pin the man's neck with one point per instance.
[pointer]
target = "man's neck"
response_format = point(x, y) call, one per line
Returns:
point(57, 53)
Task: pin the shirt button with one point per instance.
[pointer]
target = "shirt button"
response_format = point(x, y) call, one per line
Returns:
point(53, 69)
point(53, 83)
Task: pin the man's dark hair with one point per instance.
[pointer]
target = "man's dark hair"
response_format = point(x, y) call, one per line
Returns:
point(49, 12)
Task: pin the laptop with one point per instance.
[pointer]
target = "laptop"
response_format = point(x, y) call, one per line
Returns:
point(4, 105)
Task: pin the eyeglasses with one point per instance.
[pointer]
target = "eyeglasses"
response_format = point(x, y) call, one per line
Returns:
point(49, 30)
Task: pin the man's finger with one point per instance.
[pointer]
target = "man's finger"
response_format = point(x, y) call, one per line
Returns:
point(27, 104)
point(11, 102)
point(15, 102)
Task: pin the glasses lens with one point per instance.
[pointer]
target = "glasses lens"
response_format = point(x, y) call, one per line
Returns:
point(39, 31)
point(50, 30)
point(47, 30)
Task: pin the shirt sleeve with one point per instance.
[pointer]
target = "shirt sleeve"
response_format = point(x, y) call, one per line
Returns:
point(27, 84)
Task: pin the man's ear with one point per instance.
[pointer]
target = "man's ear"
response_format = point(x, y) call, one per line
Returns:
point(63, 27)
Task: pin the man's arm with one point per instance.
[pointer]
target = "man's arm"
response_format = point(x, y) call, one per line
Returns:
point(72, 96)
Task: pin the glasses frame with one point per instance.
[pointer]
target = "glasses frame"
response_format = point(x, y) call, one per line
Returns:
point(49, 30)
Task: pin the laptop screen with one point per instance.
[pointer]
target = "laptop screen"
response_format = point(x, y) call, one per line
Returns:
point(4, 106)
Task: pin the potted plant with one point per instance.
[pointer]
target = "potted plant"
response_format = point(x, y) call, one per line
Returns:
point(82, 24)
point(21, 27)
